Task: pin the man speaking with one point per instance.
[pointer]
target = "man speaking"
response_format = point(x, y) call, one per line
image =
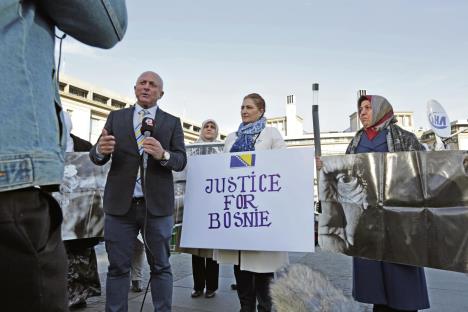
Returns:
point(138, 198)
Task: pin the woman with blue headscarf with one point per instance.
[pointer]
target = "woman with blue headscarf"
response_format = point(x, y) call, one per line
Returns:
point(253, 270)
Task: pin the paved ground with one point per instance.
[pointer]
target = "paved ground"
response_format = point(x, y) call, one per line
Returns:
point(448, 290)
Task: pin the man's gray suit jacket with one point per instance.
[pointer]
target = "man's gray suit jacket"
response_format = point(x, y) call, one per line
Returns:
point(126, 160)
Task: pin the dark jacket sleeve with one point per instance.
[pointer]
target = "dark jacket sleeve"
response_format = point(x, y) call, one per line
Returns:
point(178, 158)
point(99, 23)
point(80, 145)
point(404, 141)
point(93, 153)
point(413, 142)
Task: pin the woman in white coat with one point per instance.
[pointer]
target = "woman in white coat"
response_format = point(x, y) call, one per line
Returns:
point(253, 269)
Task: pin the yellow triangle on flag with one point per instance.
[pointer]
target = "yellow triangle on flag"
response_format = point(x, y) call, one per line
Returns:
point(247, 158)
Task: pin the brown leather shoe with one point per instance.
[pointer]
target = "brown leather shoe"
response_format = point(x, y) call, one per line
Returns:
point(210, 293)
point(196, 293)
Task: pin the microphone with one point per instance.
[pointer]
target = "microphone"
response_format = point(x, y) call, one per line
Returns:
point(147, 125)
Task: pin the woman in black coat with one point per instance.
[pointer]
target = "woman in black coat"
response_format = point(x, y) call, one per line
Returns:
point(205, 269)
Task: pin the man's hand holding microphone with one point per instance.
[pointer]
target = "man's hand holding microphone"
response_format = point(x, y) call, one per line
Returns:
point(151, 146)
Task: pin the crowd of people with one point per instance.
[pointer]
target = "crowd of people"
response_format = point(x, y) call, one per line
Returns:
point(139, 193)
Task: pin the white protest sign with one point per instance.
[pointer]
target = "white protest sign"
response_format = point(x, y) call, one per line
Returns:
point(260, 200)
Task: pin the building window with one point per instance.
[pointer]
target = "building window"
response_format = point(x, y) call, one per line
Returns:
point(186, 126)
point(117, 104)
point(95, 129)
point(400, 120)
point(100, 98)
point(62, 86)
point(78, 92)
point(196, 129)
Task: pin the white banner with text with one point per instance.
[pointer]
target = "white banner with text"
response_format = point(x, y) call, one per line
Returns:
point(259, 200)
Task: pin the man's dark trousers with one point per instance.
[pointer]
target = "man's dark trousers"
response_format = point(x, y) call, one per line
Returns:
point(33, 263)
point(120, 233)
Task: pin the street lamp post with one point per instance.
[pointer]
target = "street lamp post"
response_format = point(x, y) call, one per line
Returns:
point(315, 119)
point(318, 149)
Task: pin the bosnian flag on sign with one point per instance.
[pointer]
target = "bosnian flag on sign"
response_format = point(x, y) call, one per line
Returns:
point(242, 160)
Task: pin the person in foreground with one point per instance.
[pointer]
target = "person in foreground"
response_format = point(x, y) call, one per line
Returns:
point(253, 270)
point(389, 286)
point(137, 200)
point(205, 269)
point(33, 263)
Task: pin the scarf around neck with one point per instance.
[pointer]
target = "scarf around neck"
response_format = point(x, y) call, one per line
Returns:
point(247, 135)
point(374, 130)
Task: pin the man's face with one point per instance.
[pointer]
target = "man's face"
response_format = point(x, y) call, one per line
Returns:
point(148, 89)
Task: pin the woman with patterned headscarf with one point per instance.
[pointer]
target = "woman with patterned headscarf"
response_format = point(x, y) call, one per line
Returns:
point(388, 286)
point(209, 132)
point(253, 270)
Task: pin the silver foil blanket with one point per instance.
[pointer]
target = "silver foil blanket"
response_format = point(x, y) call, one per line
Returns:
point(407, 207)
point(81, 193)
point(80, 197)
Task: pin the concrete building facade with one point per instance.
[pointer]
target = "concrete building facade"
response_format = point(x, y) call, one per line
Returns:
point(332, 142)
point(89, 106)
point(290, 125)
point(457, 141)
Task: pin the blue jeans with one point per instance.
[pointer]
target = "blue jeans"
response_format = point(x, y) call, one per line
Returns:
point(120, 234)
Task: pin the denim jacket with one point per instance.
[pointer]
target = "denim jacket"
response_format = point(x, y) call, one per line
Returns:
point(31, 140)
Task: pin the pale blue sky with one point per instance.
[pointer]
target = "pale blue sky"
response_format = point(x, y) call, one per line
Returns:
point(212, 53)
